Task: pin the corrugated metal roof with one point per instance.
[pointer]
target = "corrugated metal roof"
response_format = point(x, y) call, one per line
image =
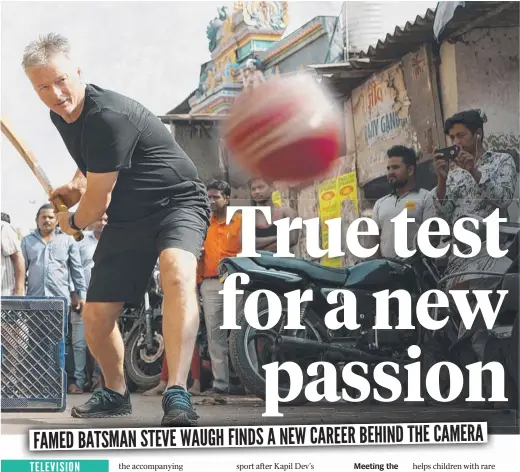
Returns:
point(468, 16)
point(404, 40)
point(480, 15)
point(184, 106)
point(201, 117)
point(344, 77)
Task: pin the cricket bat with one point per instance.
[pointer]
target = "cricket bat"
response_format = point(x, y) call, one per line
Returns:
point(31, 161)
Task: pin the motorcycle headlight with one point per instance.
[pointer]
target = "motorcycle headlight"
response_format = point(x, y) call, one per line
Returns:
point(222, 274)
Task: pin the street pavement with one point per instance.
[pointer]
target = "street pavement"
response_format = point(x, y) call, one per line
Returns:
point(247, 411)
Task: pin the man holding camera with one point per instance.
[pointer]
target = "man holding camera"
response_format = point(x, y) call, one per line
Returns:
point(472, 181)
point(475, 181)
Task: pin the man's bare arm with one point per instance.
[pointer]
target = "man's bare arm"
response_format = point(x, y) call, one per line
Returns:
point(72, 192)
point(19, 273)
point(96, 199)
point(263, 243)
point(79, 181)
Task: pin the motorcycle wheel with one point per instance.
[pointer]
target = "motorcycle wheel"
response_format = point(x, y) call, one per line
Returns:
point(143, 368)
point(130, 384)
point(249, 374)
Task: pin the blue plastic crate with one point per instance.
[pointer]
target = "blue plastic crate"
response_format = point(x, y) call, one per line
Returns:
point(33, 353)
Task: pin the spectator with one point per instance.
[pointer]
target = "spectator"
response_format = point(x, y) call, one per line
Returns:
point(479, 180)
point(87, 248)
point(406, 195)
point(261, 195)
point(13, 264)
point(222, 240)
point(50, 257)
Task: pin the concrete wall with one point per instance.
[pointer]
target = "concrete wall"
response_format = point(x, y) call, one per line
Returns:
point(448, 79)
point(481, 71)
point(487, 77)
point(202, 146)
point(201, 143)
point(312, 53)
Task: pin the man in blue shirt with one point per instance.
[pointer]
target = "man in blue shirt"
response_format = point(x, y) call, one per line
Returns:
point(50, 258)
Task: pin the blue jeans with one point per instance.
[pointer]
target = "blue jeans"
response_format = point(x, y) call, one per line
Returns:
point(79, 348)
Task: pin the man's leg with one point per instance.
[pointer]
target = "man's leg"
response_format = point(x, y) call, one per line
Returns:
point(98, 382)
point(179, 242)
point(123, 263)
point(164, 371)
point(195, 372)
point(79, 349)
point(106, 344)
point(69, 357)
point(213, 306)
point(180, 324)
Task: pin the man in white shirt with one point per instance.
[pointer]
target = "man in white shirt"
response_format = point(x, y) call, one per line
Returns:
point(13, 264)
point(406, 195)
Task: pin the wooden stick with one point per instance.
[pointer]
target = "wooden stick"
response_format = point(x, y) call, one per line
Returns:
point(31, 161)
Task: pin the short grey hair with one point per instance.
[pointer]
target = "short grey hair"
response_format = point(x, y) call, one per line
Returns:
point(39, 52)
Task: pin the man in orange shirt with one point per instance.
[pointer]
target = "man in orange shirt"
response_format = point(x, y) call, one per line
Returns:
point(222, 240)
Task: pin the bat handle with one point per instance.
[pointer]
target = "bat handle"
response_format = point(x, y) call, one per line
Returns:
point(62, 207)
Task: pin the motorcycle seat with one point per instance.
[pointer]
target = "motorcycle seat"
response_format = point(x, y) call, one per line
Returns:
point(316, 272)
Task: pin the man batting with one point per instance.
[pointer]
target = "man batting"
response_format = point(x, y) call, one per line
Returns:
point(130, 167)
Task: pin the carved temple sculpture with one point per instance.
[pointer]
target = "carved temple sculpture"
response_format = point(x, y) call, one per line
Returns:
point(252, 74)
point(235, 38)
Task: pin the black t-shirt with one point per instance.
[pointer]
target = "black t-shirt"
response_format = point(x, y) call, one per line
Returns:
point(116, 133)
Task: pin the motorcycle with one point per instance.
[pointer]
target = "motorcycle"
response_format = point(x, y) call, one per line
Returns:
point(316, 342)
point(500, 343)
point(141, 328)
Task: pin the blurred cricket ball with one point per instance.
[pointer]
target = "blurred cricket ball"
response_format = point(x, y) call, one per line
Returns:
point(286, 129)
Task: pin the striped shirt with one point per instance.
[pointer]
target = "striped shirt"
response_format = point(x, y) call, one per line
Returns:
point(10, 246)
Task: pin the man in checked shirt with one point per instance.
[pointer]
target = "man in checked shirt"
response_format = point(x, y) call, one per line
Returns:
point(477, 182)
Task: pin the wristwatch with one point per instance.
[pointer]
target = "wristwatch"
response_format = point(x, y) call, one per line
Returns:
point(72, 224)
